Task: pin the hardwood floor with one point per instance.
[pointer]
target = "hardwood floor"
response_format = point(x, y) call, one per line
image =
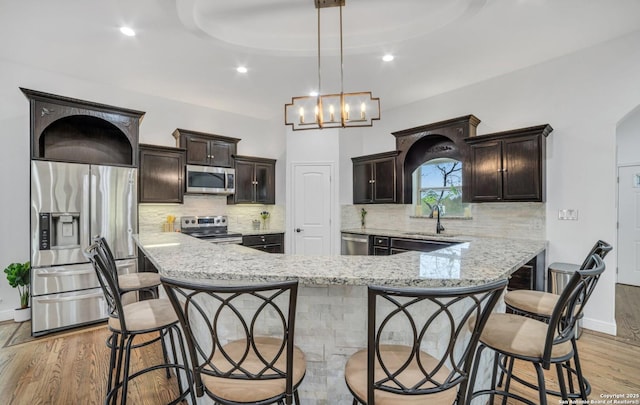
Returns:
point(72, 368)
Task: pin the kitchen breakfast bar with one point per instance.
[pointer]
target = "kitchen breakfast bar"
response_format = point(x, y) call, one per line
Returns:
point(332, 308)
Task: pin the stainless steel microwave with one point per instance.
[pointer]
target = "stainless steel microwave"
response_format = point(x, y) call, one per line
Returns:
point(210, 180)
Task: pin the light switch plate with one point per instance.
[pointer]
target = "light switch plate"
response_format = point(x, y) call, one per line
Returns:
point(568, 214)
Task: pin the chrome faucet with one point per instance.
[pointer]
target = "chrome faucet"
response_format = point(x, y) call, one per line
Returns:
point(439, 227)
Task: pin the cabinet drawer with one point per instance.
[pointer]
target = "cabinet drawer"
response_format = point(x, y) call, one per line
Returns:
point(272, 238)
point(381, 241)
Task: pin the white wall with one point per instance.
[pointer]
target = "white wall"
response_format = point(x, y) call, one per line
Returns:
point(628, 139)
point(259, 137)
point(582, 96)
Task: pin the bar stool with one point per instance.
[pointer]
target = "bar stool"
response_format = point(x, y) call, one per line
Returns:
point(127, 284)
point(132, 282)
point(422, 366)
point(241, 340)
point(126, 322)
point(513, 336)
point(539, 305)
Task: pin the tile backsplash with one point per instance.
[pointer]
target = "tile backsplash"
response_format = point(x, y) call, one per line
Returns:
point(509, 220)
point(152, 216)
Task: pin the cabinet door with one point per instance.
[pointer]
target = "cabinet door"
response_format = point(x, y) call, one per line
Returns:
point(522, 169)
point(245, 182)
point(265, 188)
point(384, 186)
point(486, 173)
point(197, 151)
point(161, 176)
point(362, 183)
point(220, 153)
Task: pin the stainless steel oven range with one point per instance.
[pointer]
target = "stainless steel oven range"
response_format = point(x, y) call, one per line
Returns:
point(210, 228)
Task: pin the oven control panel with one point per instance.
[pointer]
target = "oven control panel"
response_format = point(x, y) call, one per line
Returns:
point(197, 222)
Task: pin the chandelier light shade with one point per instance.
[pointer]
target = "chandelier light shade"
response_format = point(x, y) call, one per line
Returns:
point(342, 110)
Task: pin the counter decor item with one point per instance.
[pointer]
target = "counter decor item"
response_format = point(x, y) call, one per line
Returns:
point(256, 225)
point(169, 226)
point(363, 218)
point(264, 215)
point(19, 276)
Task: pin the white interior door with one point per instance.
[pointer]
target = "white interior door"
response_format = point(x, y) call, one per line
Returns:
point(312, 196)
point(629, 225)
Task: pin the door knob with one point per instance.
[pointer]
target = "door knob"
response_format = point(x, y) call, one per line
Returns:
point(299, 230)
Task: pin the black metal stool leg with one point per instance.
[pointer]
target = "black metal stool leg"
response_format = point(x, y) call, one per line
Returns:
point(561, 383)
point(507, 383)
point(585, 387)
point(542, 390)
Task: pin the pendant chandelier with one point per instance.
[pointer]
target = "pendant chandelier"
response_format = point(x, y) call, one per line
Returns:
point(342, 110)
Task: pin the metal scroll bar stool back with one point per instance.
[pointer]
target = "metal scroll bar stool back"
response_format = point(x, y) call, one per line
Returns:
point(421, 344)
point(241, 340)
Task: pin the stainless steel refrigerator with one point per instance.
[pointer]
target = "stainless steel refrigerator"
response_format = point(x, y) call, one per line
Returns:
point(70, 203)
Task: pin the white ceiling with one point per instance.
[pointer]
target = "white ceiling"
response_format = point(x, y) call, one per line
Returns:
point(187, 50)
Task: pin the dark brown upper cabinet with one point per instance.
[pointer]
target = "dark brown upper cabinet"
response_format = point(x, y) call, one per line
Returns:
point(255, 181)
point(206, 149)
point(509, 166)
point(71, 130)
point(374, 178)
point(161, 174)
point(443, 139)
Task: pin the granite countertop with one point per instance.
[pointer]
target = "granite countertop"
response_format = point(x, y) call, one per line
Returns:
point(472, 262)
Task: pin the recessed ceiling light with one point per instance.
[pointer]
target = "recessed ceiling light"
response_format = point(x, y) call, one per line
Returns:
point(388, 57)
point(127, 31)
point(313, 94)
point(242, 69)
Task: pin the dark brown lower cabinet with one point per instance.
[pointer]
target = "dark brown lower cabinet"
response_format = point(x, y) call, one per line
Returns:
point(145, 265)
point(270, 243)
point(385, 245)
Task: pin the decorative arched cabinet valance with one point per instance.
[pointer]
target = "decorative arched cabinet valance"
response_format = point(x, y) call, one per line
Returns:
point(71, 130)
point(438, 140)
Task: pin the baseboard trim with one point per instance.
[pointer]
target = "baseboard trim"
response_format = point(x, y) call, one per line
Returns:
point(6, 315)
point(599, 326)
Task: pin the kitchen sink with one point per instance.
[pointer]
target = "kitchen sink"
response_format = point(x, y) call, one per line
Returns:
point(433, 234)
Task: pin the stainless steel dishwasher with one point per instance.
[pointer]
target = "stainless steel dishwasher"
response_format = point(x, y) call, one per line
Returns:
point(355, 244)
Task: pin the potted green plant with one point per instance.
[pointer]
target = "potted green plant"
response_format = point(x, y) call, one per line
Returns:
point(19, 276)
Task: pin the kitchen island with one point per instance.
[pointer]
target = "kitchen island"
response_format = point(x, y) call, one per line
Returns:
point(331, 311)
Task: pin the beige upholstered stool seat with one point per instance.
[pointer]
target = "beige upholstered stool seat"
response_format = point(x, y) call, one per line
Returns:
point(146, 315)
point(394, 356)
point(249, 391)
point(138, 281)
point(521, 336)
point(535, 302)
